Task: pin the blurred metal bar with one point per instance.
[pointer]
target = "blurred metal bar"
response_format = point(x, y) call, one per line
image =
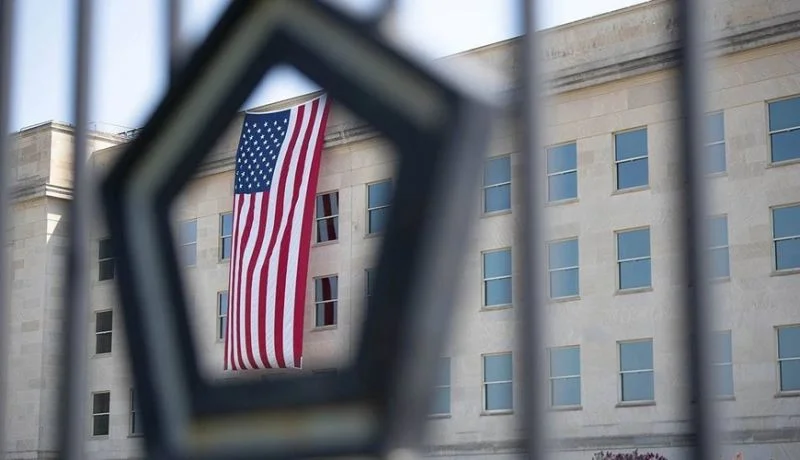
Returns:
point(174, 37)
point(697, 313)
point(531, 327)
point(6, 40)
point(73, 418)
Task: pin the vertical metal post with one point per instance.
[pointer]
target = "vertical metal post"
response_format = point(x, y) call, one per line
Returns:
point(531, 327)
point(6, 39)
point(72, 422)
point(174, 37)
point(697, 314)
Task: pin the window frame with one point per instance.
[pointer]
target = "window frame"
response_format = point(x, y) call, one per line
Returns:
point(132, 414)
point(94, 414)
point(334, 217)
point(775, 268)
point(561, 173)
point(617, 162)
point(223, 236)
point(550, 270)
point(779, 131)
point(334, 301)
point(183, 244)
point(449, 388)
point(222, 332)
point(485, 187)
point(617, 233)
point(101, 260)
point(485, 280)
point(376, 208)
point(620, 394)
point(484, 383)
point(779, 360)
point(708, 145)
point(551, 378)
point(715, 364)
point(727, 247)
point(98, 333)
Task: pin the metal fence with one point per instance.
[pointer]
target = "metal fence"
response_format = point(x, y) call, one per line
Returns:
point(529, 104)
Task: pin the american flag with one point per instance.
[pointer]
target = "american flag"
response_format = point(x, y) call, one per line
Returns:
point(277, 165)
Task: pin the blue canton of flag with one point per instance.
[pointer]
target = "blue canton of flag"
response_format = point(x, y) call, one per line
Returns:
point(261, 141)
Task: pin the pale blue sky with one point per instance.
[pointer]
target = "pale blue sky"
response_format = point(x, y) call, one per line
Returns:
point(129, 69)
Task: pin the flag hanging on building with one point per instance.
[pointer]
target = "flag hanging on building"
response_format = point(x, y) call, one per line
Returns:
point(275, 182)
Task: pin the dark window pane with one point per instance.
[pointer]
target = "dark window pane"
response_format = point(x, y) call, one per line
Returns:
point(633, 244)
point(634, 274)
point(563, 254)
point(226, 248)
point(498, 292)
point(326, 314)
point(723, 376)
point(190, 254)
point(562, 158)
point(790, 375)
point(106, 270)
point(637, 387)
point(786, 146)
point(443, 376)
point(632, 174)
point(787, 254)
point(562, 186)
point(223, 303)
point(715, 127)
point(328, 204)
point(497, 171)
point(188, 231)
point(565, 361)
point(379, 194)
point(441, 401)
point(496, 264)
point(327, 288)
point(227, 224)
point(223, 327)
point(100, 425)
point(378, 218)
point(720, 263)
point(722, 352)
point(105, 249)
point(718, 231)
point(103, 343)
point(103, 321)
point(327, 229)
point(499, 397)
point(564, 283)
point(631, 144)
point(370, 274)
point(101, 403)
point(497, 198)
point(715, 161)
point(786, 221)
point(566, 392)
point(784, 114)
point(497, 368)
point(789, 342)
point(635, 356)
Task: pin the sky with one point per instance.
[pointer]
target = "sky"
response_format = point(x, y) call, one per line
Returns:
point(129, 55)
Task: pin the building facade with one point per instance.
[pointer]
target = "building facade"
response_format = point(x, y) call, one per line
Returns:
point(616, 376)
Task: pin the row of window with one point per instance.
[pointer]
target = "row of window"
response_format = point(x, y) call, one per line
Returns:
point(101, 414)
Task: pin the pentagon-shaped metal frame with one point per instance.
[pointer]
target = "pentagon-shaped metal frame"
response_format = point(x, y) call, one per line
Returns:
point(440, 131)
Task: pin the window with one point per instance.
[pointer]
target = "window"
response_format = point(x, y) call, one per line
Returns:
point(789, 357)
point(715, 143)
point(327, 294)
point(225, 235)
point(565, 376)
point(105, 260)
point(630, 150)
point(562, 172)
point(497, 378)
point(563, 268)
point(497, 185)
point(723, 363)
point(222, 314)
point(786, 237)
point(379, 196)
point(784, 129)
point(633, 258)
point(636, 371)
point(101, 408)
point(441, 392)
point(497, 278)
point(718, 241)
point(188, 242)
point(135, 421)
point(102, 335)
point(327, 220)
point(369, 285)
